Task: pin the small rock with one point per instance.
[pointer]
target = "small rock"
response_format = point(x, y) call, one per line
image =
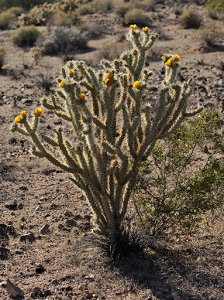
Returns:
point(40, 269)
point(13, 290)
point(39, 208)
point(12, 204)
point(3, 284)
point(27, 101)
point(27, 237)
point(36, 292)
point(44, 229)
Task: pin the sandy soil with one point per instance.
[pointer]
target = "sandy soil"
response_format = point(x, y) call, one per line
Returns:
point(65, 262)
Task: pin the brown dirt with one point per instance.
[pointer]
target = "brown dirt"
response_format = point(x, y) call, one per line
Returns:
point(66, 262)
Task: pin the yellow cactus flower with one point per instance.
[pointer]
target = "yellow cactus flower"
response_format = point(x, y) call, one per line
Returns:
point(110, 75)
point(169, 62)
point(137, 84)
point(23, 112)
point(133, 27)
point(71, 71)
point(62, 84)
point(81, 96)
point(18, 119)
point(38, 111)
point(176, 57)
point(108, 82)
point(164, 56)
point(145, 29)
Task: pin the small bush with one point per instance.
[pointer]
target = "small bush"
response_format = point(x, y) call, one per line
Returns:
point(2, 55)
point(86, 9)
point(217, 5)
point(64, 40)
point(16, 10)
point(111, 52)
point(61, 18)
point(25, 36)
point(6, 18)
point(123, 9)
point(190, 19)
point(211, 34)
point(137, 16)
point(184, 179)
point(102, 6)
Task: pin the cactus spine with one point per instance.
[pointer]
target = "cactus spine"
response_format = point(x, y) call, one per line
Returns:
point(114, 129)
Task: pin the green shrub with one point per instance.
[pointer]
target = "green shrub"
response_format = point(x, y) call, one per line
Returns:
point(137, 16)
point(184, 178)
point(190, 19)
point(2, 55)
point(86, 9)
point(61, 18)
point(123, 9)
point(211, 34)
point(64, 40)
point(217, 5)
point(25, 36)
point(6, 18)
point(26, 4)
point(102, 6)
point(9, 15)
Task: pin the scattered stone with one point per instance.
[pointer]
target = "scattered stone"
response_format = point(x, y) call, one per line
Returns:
point(70, 222)
point(3, 232)
point(27, 237)
point(39, 208)
point(36, 292)
point(40, 269)
point(45, 229)
point(4, 253)
point(23, 188)
point(28, 102)
point(12, 204)
point(89, 277)
point(13, 290)
point(3, 284)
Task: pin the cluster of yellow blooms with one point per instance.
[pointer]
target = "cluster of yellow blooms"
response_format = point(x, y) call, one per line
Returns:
point(134, 27)
point(109, 79)
point(19, 119)
point(169, 62)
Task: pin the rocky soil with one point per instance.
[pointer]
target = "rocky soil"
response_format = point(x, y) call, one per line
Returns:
point(46, 245)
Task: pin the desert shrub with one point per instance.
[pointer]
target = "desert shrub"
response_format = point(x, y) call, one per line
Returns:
point(183, 180)
point(61, 18)
point(85, 9)
point(26, 4)
point(25, 36)
point(137, 16)
point(102, 5)
point(39, 15)
point(211, 34)
point(64, 40)
point(111, 52)
point(2, 55)
point(217, 5)
point(123, 9)
point(6, 17)
point(190, 19)
point(16, 10)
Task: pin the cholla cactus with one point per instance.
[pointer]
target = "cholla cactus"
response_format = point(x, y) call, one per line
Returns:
point(114, 129)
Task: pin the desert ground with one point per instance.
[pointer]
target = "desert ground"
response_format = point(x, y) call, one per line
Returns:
point(52, 253)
